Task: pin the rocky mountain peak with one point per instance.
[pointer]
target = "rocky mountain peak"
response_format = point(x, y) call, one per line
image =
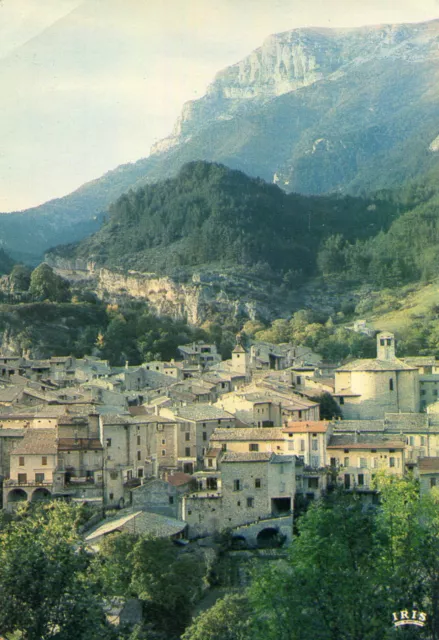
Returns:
point(295, 59)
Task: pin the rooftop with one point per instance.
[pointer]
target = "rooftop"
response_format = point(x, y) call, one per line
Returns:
point(142, 522)
point(202, 412)
point(373, 364)
point(249, 456)
point(37, 441)
point(428, 465)
point(318, 426)
point(246, 434)
point(365, 441)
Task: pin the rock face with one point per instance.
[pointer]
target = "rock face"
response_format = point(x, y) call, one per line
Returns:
point(204, 297)
point(290, 61)
point(314, 110)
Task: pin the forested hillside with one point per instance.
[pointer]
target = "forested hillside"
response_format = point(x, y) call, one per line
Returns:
point(407, 252)
point(211, 215)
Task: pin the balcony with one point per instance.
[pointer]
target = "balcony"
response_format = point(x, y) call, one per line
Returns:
point(27, 483)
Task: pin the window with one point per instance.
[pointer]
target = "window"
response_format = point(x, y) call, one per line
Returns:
point(39, 477)
point(361, 479)
point(138, 441)
point(108, 442)
point(315, 445)
point(333, 462)
point(432, 482)
point(209, 462)
point(187, 436)
point(139, 455)
point(111, 496)
point(391, 384)
point(422, 441)
point(171, 499)
point(44, 461)
point(363, 463)
point(346, 462)
point(291, 446)
point(187, 452)
point(204, 436)
point(224, 447)
point(250, 502)
point(129, 475)
point(341, 400)
point(21, 461)
point(140, 473)
point(411, 441)
point(257, 483)
point(237, 485)
point(391, 461)
point(313, 483)
point(302, 445)
point(382, 342)
point(423, 392)
point(163, 452)
point(163, 441)
point(22, 478)
point(253, 446)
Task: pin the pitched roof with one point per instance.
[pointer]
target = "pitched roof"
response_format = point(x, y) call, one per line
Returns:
point(249, 456)
point(142, 522)
point(202, 412)
point(428, 465)
point(365, 441)
point(373, 364)
point(178, 479)
point(246, 434)
point(37, 441)
point(317, 426)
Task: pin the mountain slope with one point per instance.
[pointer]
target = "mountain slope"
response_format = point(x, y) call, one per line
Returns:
point(212, 216)
point(314, 110)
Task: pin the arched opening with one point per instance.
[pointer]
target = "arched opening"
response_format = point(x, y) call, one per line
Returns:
point(40, 494)
point(238, 542)
point(17, 495)
point(269, 538)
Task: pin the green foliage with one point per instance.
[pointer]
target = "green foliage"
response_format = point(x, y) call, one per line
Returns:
point(227, 619)
point(6, 262)
point(331, 341)
point(44, 582)
point(19, 278)
point(167, 580)
point(45, 284)
point(211, 215)
point(329, 408)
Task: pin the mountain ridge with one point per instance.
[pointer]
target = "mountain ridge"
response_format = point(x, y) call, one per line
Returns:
point(367, 125)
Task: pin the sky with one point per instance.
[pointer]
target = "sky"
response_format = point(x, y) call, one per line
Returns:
point(87, 85)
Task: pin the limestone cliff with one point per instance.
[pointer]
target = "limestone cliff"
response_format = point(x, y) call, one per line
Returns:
point(292, 60)
point(203, 297)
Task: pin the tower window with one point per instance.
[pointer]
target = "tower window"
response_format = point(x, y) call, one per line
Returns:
point(391, 384)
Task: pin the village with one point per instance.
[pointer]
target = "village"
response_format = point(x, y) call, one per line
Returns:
point(189, 448)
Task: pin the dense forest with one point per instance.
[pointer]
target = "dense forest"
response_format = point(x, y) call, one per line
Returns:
point(407, 251)
point(211, 215)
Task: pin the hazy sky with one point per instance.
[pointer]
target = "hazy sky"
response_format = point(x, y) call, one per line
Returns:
point(90, 84)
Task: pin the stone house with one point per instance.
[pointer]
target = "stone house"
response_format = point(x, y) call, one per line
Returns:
point(250, 440)
point(428, 474)
point(34, 473)
point(356, 458)
point(251, 486)
point(197, 423)
point(367, 389)
point(199, 353)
